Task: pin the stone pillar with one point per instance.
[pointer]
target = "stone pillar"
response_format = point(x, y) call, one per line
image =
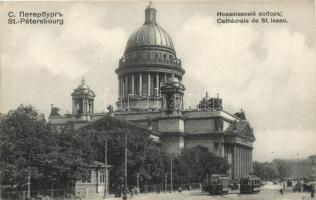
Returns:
point(157, 84)
point(251, 164)
point(165, 77)
point(83, 106)
point(126, 86)
point(148, 84)
point(133, 84)
point(235, 162)
point(244, 161)
point(140, 84)
point(86, 106)
point(123, 88)
point(92, 107)
point(73, 107)
point(120, 87)
point(239, 161)
point(248, 161)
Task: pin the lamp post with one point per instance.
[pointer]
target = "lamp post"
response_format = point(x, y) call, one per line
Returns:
point(106, 170)
point(125, 165)
point(171, 184)
point(137, 176)
point(166, 176)
point(29, 186)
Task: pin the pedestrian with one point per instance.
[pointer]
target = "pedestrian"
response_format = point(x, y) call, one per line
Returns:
point(281, 190)
point(313, 190)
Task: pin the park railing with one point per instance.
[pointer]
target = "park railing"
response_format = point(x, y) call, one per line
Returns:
point(45, 194)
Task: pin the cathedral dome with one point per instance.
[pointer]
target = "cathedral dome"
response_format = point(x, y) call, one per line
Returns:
point(150, 35)
point(83, 89)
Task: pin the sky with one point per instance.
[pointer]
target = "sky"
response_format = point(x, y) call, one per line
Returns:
point(268, 70)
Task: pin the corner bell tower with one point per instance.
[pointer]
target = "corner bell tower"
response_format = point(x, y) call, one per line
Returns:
point(82, 101)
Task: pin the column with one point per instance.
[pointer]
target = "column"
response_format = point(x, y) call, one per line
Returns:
point(119, 88)
point(86, 105)
point(239, 161)
point(248, 160)
point(73, 107)
point(247, 163)
point(148, 84)
point(235, 162)
point(122, 85)
point(157, 84)
point(251, 164)
point(92, 107)
point(123, 88)
point(140, 84)
point(165, 77)
point(133, 84)
point(126, 86)
point(244, 164)
point(83, 106)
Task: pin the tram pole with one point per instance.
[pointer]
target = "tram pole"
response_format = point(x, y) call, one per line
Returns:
point(125, 165)
point(171, 183)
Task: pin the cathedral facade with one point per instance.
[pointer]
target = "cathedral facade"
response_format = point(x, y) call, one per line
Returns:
point(151, 96)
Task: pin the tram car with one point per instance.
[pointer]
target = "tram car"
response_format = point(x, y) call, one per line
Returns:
point(249, 185)
point(217, 184)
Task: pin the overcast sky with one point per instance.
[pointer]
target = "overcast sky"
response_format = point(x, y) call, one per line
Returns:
point(267, 70)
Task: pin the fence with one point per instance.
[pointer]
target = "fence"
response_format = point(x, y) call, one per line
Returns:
point(56, 194)
point(67, 193)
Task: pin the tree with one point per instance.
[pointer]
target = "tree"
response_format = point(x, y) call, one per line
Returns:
point(283, 168)
point(144, 155)
point(23, 142)
point(193, 165)
point(31, 147)
point(271, 170)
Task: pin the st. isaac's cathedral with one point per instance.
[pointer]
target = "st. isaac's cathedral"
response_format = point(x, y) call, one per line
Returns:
point(151, 97)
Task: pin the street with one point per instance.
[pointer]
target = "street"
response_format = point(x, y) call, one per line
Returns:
point(268, 192)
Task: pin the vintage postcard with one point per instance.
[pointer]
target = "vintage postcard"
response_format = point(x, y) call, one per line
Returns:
point(153, 99)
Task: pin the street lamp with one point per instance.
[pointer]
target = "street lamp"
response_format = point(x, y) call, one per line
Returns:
point(28, 186)
point(106, 170)
point(171, 184)
point(137, 176)
point(125, 165)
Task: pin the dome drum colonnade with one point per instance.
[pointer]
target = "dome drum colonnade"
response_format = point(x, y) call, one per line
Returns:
point(148, 61)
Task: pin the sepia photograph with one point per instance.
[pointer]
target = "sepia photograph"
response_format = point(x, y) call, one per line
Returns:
point(157, 100)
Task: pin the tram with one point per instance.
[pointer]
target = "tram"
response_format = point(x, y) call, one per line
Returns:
point(249, 185)
point(217, 184)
